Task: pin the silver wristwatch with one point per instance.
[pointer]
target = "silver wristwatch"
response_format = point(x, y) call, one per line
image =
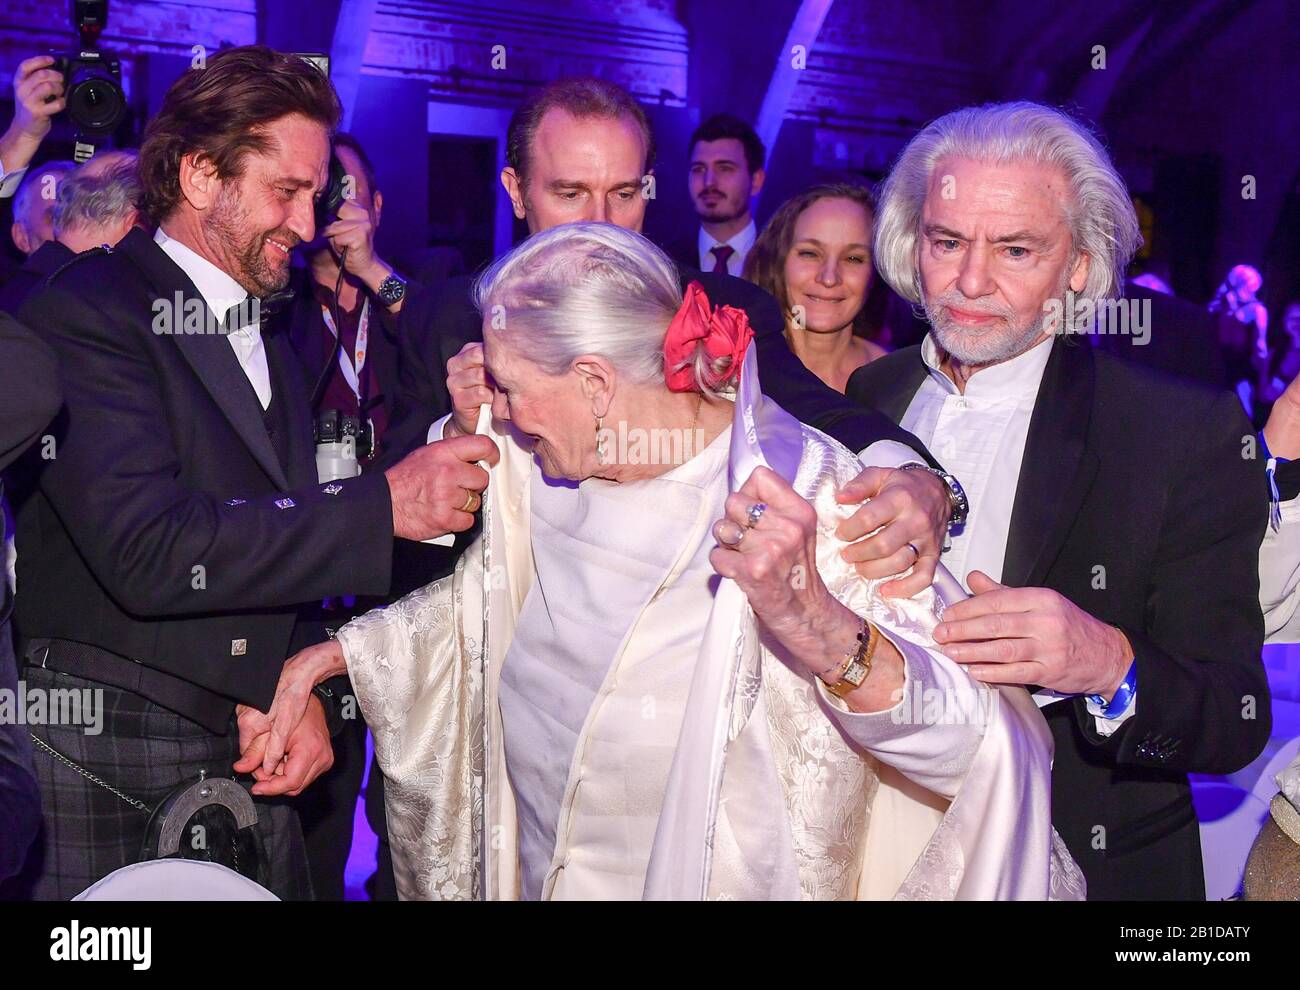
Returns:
point(957, 499)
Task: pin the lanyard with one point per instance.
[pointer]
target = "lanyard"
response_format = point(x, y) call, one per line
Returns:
point(351, 374)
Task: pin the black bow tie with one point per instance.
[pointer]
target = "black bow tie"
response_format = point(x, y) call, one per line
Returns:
point(255, 311)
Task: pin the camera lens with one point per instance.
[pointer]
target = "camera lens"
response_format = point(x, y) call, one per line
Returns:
point(96, 103)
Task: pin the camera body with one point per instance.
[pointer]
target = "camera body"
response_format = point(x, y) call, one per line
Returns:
point(92, 80)
point(92, 83)
point(342, 442)
point(332, 196)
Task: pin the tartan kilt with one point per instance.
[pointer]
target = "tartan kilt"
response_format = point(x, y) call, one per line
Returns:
point(145, 751)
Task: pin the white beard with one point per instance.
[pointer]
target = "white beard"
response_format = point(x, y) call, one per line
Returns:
point(992, 345)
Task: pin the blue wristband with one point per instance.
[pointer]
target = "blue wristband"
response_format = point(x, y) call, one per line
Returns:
point(1268, 454)
point(1118, 705)
point(1270, 472)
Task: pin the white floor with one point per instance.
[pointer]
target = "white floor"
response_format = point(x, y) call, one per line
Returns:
point(1232, 808)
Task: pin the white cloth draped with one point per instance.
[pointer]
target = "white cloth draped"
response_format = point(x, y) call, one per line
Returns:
point(774, 791)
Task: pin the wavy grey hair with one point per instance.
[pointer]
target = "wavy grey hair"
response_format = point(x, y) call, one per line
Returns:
point(1099, 213)
point(89, 199)
point(586, 288)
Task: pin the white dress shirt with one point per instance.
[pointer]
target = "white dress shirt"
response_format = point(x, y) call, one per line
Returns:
point(221, 292)
point(10, 181)
point(979, 437)
point(740, 243)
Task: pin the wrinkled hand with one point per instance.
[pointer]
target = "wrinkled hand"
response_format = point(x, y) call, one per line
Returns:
point(429, 487)
point(308, 753)
point(1282, 431)
point(301, 672)
point(775, 562)
point(1033, 636)
point(468, 387)
point(34, 83)
point(906, 507)
point(775, 565)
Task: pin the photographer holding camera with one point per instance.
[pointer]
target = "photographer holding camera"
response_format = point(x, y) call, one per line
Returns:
point(177, 525)
point(343, 318)
point(38, 96)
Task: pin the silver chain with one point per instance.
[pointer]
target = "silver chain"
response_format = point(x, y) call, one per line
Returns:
point(88, 775)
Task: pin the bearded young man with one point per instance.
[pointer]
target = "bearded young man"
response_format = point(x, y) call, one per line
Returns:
point(726, 172)
point(1115, 524)
point(169, 539)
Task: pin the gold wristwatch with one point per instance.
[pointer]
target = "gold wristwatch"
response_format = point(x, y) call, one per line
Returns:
point(857, 662)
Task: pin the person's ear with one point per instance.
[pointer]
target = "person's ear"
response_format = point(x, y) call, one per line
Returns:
point(756, 182)
point(514, 189)
point(377, 203)
point(21, 241)
point(598, 381)
point(1079, 276)
point(198, 181)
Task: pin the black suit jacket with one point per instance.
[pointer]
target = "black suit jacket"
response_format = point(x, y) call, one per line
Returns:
point(437, 325)
point(1134, 501)
point(685, 250)
point(1183, 339)
point(29, 388)
point(44, 262)
point(29, 398)
point(165, 528)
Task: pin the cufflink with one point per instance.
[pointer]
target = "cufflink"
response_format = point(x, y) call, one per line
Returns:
point(285, 503)
point(332, 489)
point(235, 501)
point(238, 647)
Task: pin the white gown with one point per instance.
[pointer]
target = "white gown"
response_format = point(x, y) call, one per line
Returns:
point(509, 708)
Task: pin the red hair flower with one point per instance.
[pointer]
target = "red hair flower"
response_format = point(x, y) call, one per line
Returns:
point(725, 331)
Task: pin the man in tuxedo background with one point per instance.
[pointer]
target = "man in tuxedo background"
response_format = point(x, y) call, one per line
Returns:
point(175, 527)
point(583, 149)
point(726, 172)
point(1112, 545)
point(96, 204)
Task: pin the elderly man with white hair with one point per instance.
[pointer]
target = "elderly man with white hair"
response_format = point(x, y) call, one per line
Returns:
point(93, 204)
point(98, 203)
point(1116, 513)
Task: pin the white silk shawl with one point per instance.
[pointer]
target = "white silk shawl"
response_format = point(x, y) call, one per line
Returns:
point(425, 671)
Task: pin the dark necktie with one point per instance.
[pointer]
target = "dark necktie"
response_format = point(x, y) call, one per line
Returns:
point(721, 252)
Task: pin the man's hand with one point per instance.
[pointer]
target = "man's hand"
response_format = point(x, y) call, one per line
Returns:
point(34, 83)
point(467, 385)
point(1033, 636)
point(907, 507)
point(354, 231)
point(1282, 431)
point(308, 754)
point(431, 486)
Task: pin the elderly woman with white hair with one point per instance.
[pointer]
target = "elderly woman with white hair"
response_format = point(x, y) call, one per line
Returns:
point(655, 676)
